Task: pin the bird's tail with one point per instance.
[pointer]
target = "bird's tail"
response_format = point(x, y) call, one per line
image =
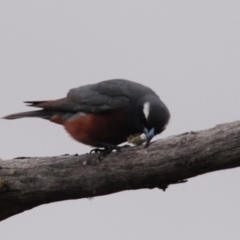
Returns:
point(39, 113)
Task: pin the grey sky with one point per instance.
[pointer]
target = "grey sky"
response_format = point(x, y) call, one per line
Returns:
point(187, 51)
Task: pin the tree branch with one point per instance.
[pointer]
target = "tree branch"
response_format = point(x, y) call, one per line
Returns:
point(29, 182)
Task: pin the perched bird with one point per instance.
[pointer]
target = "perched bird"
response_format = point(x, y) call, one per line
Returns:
point(105, 114)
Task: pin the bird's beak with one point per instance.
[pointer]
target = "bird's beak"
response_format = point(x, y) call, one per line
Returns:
point(149, 135)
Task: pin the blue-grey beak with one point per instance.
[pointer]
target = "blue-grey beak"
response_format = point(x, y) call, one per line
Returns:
point(149, 135)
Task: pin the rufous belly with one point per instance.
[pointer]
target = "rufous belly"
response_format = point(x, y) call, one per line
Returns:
point(94, 129)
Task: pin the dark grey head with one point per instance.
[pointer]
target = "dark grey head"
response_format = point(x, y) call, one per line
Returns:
point(155, 116)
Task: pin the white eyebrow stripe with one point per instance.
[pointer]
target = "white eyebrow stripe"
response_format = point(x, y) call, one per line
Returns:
point(146, 109)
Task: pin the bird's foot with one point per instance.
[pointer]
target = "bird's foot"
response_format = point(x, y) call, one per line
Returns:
point(107, 148)
point(97, 150)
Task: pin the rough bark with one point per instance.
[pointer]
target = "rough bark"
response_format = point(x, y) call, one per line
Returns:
point(29, 182)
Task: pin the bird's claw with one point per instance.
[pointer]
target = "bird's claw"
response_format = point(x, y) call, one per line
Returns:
point(108, 148)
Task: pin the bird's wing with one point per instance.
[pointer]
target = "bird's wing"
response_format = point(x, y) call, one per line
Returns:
point(98, 98)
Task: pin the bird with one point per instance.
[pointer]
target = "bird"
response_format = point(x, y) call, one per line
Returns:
point(105, 114)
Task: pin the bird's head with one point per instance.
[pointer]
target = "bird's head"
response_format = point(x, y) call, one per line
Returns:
point(155, 117)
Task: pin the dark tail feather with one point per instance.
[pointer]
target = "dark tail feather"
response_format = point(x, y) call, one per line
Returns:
point(34, 103)
point(40, 113)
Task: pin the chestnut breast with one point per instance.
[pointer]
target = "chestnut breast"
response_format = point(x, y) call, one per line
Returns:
point(93, 129)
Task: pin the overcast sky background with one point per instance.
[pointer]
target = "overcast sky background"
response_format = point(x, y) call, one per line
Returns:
point(187, 51)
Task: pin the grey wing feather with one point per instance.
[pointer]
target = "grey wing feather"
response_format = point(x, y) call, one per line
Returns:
point(101, 97)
